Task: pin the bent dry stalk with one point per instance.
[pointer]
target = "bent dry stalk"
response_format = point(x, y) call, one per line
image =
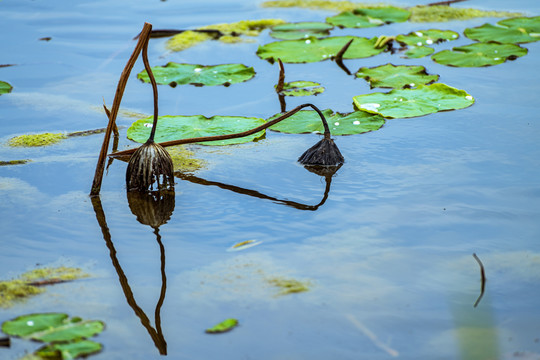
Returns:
point(151, 163)
point(325, 152)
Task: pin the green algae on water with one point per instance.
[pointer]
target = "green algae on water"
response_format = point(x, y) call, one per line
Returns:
point(289, 286)
point(27, 285)
point(36, 140)
point(231, 33)
point(14, 162)
point(438, 13)
point(184, 160)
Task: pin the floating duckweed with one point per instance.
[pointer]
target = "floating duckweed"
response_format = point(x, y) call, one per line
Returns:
point(20, 289)
point(231, 33)
point(36, 140)
point(183, 159)
point(446, 13)
point(289, 286)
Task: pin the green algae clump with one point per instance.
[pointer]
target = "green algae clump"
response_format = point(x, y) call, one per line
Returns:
point(230, 33)
point(36, 140)
point(289, 286)
point(321, 4)
point(14, 162)
point(183, 159)
point(29, 283)
point(442, 13)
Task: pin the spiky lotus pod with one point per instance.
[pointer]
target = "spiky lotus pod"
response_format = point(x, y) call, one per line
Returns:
point(150, 164)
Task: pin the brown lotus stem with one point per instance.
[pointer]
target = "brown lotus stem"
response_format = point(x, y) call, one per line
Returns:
point(339, 56)
point(281, 79)
point(100, 167)
point(236, 135)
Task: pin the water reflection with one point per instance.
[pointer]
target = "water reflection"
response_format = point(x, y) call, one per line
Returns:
point(154, 210)
point(324, 171)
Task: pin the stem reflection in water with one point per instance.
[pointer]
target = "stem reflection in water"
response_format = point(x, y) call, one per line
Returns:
point(153, 210)
point(325, 171)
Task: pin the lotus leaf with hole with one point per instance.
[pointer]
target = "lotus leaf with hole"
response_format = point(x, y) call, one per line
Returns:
point(301, 30)
point(363, 18)
point(181, 127)
point(427, 37)
point(70, 350)
point(49, 327)
point(391, 76)
point(479, 54)
point(308, 121)
point(5, 87)
point(200, 75)
point(509, 31)
point(417, 52)
point(313, 49)
point(301, 88)
point(406, 103)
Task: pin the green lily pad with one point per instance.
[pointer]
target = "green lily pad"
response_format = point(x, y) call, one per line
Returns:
point(417, 52)
point(308, 121)
point(364, 18)
point(427, 37)
point(48, 327)
point(479, 54)
point(5, 87)
point(391, 76)
point(510, 31)
point(313, 49)
point(70, 350)
point(200, 75)
point(181, 127)
point(301, 30)
point(423, 100)
point(224, 326)
point(301, 88)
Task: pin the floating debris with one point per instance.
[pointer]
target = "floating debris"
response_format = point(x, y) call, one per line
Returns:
point(243, 245)
point(224, 326)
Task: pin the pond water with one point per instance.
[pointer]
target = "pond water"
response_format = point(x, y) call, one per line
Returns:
point(387, 257)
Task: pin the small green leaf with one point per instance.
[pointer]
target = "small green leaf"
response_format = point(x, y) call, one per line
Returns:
point(181, 74)
point(313, 49)
point(308, 121)
point(224, 326)
point(5, 87)
point(416, 52)
point(302, 88)
point(423, 100)
point(70, 350)
point(181, 127)
point(363, 18)
point(509, 31)
point(301, 30)
point(391, 76)
point(427, 37)
point(479, 54)
point(49, 327)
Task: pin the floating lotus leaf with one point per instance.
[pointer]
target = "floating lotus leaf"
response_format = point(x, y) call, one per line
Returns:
point(302, 88)
point(313, 49)
point(181, 74)
point(224, 326)
point(391, 76)
point(70, 350)
point(510, 31)
point(427, 37)
point(181, 127)
point(479, 54)
point(48, 327)
point(416, 52)
point(423, 100)
point(301, 30)
point(363, 18)
point(5, 87)
point(308, 121)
